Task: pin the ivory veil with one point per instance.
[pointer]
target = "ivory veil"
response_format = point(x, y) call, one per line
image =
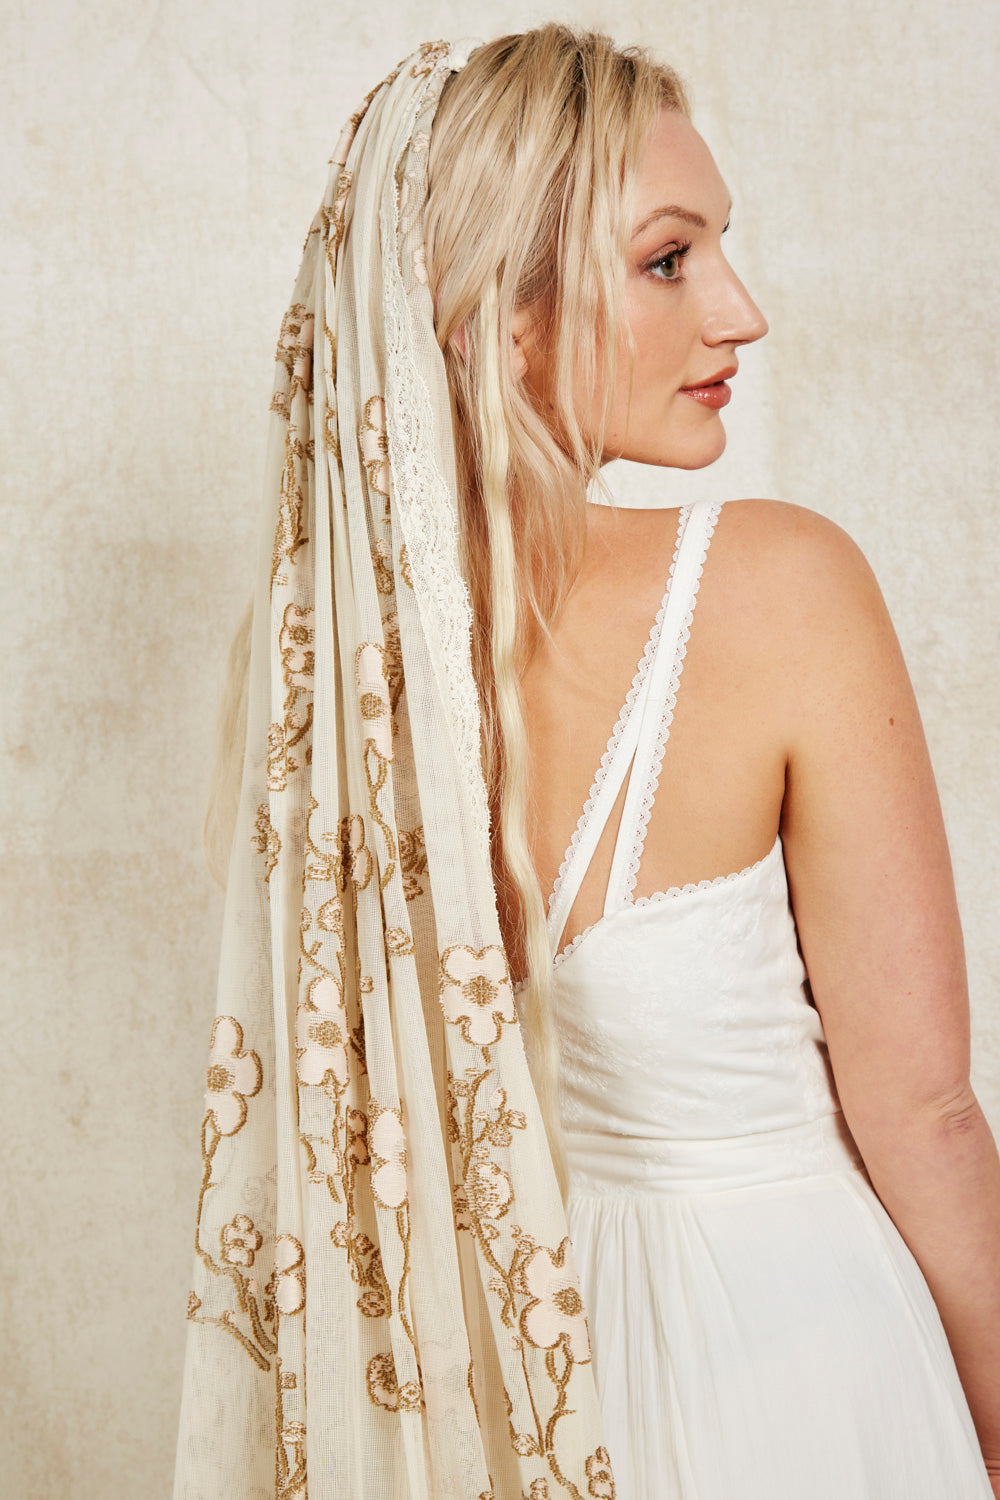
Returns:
point(385, 1302)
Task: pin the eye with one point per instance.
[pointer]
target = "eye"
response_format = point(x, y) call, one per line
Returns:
point(667, 267)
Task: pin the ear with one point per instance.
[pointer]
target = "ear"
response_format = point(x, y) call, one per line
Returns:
point(521, 334)
point(460, 342)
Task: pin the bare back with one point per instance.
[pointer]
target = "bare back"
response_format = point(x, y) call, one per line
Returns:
point(718, 803)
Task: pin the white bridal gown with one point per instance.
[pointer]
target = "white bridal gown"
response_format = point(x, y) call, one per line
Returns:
point(760, 1329)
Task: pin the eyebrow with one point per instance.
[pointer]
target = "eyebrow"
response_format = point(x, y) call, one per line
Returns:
point(674, 211)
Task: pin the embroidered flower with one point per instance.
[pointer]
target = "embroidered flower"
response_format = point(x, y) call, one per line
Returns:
point(373, 698)
point(382, 563)
point(357, 1137)
point(557, 1307)
point(600, 1482)
point(374, 443)
point(372, 1303)
point(296, 643)
point(387, 1145)
point(488, 1189)
point(288, 1284)
point(234, 1076)
point(398, 942)
point(410, 1398)
point(240, 1241)
point(356, 854)
point(321, 1036)
point(295, 344)
point(475, 992)
point(335, 216)
point(420, 263)
point(380, 1377)
point(266, 840)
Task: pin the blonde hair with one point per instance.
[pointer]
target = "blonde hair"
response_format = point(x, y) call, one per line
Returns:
point(534, 151)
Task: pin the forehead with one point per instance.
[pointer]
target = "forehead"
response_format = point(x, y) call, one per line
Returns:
point(677, 167)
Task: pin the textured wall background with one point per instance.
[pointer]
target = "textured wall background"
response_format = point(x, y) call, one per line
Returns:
point(167, 159)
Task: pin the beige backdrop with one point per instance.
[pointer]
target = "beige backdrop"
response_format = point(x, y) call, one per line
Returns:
point(167, 159)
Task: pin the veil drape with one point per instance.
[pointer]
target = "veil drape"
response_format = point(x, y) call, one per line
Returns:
point(385, 1302)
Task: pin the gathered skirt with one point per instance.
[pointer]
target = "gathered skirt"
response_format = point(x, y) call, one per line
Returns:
point(760, 1329)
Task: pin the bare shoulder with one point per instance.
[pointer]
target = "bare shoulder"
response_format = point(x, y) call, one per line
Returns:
point(800, 547)
point(796, 576)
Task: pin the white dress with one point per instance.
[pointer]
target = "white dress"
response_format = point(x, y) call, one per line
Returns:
point(760, 1329)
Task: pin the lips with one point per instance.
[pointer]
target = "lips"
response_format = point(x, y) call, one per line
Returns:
point(713, 392)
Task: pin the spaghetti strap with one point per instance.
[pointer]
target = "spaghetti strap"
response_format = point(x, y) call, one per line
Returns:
point(658, 704)
point(651, 681)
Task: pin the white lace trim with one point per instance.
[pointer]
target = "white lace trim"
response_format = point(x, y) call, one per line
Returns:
point(671, 894)
point(614, 741)
point(427, 505)
point(669, 704)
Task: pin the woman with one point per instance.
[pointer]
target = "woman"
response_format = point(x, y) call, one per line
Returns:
point(783, 1206)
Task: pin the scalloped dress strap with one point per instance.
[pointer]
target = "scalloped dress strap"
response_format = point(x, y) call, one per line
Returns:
point(660, 684)
point(604, 793)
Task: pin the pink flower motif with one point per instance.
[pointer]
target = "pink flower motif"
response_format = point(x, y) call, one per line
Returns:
point(288, 1283)
point(488, 1189)
point(375, 445)
point(556, 1310)
point(296, 643)
point(240, 1241)
point(476, 993)
point(600, 1481)
point(387, 1145)
point(234, 1076)
point(321, 1036)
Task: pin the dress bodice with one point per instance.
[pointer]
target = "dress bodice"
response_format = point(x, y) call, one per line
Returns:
point(687, 1014)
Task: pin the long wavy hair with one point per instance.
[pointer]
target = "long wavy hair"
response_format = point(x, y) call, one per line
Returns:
point(534, 153)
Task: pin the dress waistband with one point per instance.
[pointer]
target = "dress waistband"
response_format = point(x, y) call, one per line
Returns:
point(601, 1162)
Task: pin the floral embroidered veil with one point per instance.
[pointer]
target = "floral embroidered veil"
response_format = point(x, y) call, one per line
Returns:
point(385, 1302)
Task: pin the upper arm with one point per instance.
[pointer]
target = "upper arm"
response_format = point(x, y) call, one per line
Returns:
point(868, 864)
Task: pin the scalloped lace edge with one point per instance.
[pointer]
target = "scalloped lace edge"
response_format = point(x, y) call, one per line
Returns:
point(669, 704)
point(671, 894)
point(623, 717)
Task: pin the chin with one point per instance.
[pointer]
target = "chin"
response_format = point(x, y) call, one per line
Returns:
point(694, 453)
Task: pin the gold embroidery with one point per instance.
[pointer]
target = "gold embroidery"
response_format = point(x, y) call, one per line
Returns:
point(234, 1076)
point(240, 1241)
point(398, 941)
point(380, 1377)
point(555, 1315)
point(266, 840)
point(290, 1443)
point(287, 1285)
point(374, 444)
point(413, 860)
point(600, 1481)
point(387, 1145)
point(405, 572)
point(382, 563)
point(383, 1391)
point(431, 53)
point(296, 643)
point(475, 992)
point(356, 854)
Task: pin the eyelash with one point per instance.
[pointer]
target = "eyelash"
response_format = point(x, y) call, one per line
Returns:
point(678, 254)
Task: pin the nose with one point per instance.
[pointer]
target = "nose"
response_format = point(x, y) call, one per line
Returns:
point(733, 316)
